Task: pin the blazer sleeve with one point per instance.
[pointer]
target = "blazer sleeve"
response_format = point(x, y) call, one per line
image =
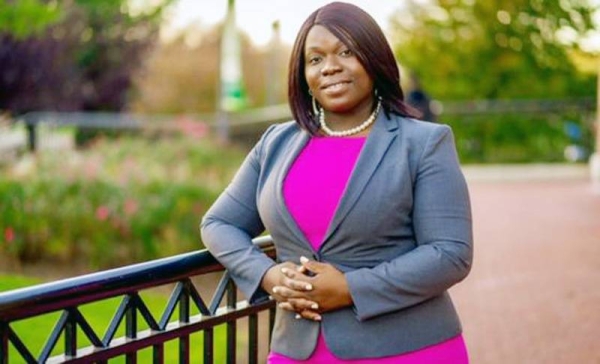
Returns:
point(228, 227)
point(443, 233)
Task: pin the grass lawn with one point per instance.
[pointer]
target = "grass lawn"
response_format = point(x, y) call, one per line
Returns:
point(34, 332)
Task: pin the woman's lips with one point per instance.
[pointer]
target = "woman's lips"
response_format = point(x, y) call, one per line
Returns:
point(336, 87)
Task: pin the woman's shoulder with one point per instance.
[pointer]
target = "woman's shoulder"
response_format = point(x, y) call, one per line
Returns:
point(278, 135)
point(281, 129)
point(420, 127)
point(414, 131)
point(418, 135)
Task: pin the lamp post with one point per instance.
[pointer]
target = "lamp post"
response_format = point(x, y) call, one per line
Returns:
point(272, 74)
point(232, 96)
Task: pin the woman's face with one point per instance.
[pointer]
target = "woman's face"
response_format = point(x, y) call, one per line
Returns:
point(334, 75)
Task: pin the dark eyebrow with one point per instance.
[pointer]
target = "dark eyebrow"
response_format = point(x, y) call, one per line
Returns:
point(339, 44)
point(312, 48)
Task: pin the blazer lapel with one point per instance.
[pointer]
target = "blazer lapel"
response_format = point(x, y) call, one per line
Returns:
point(295, 147)
point(378, 142)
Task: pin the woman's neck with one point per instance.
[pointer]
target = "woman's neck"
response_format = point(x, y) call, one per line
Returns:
point(356, 122)
point(349, 119)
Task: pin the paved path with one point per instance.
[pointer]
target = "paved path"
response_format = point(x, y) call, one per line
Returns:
point(533, 295)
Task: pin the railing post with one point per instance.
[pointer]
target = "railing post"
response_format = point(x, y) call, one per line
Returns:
point(31, 137)
point(3, 342)
point(71, 335)
point(231, 325)
point(131, 330)
point(209, 348)
point(271, 322)
point(158, 354)
point(184, 317)
point(253, 339)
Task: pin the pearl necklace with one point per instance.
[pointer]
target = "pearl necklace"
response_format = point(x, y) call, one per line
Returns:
point(355, 130)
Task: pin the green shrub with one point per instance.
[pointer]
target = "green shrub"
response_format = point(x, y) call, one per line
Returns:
point(517, 138)
point(119, 202)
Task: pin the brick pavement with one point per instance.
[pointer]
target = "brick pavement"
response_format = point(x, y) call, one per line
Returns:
point(533, 295)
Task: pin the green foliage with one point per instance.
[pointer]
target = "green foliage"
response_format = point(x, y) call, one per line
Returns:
point(123, 201)
point(85, 59)
point(24, 18)
point(517, 138)
point(494, 49)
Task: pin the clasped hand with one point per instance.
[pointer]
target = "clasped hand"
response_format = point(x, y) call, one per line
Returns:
point(308, 289)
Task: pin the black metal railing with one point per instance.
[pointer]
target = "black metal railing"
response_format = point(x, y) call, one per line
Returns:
point(67, 296)
point(248, 125)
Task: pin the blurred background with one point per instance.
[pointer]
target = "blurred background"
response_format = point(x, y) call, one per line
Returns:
point(122, 120)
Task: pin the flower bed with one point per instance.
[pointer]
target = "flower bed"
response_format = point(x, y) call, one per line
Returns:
point(121, 201)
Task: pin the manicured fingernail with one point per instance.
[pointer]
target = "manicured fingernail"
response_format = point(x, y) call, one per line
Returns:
point(284, 270)
point(275, 289)
point(314, 306)
point(317, 318)
point(303, 260)
point(309, 287)
point(298, 317)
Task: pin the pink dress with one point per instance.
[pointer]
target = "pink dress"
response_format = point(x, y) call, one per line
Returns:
point(312, 191)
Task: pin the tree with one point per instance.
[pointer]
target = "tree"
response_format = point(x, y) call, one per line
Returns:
point(23, 18)
point(113, 45)
point(86, 61)
point(465, 49)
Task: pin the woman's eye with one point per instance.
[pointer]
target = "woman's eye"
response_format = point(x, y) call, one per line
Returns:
point(314, 60)
point(346, 53)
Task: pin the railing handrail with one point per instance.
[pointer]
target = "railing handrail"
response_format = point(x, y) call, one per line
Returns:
point(268, 114)
point(48, 297)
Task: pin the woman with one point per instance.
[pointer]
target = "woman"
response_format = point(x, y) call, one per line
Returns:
point(367, 207)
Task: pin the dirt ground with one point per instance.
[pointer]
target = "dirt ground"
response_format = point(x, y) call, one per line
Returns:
point(533, 295)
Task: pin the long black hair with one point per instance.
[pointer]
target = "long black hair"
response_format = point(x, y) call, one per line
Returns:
point(363, 36)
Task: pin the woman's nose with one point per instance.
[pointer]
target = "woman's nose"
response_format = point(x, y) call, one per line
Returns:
point(330, 66)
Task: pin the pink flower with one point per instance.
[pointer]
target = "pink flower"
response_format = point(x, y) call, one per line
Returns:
point(92, 168)
point(102, 213)
point(130, 207)
point(9, 235)
point(193, 128)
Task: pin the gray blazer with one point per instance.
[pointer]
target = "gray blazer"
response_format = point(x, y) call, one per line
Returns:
point(401, 234)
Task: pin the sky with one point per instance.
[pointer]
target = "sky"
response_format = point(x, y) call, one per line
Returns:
point(255, 17)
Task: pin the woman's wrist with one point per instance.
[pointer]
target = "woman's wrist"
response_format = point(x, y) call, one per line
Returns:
point(270, 280)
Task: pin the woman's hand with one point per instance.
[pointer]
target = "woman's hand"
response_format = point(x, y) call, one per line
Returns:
point(325, 289)
point(283, 286)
